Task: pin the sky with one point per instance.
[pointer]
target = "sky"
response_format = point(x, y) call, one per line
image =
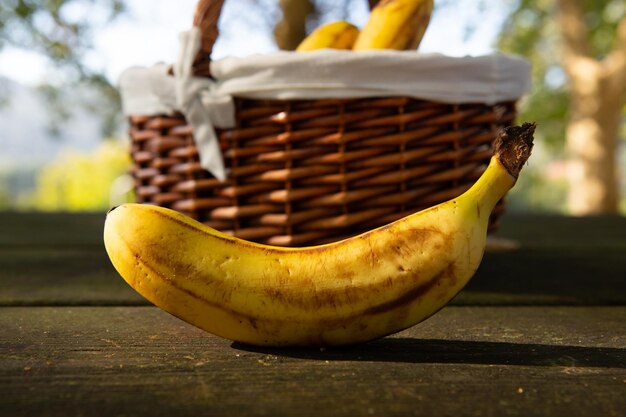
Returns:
point(148, 34)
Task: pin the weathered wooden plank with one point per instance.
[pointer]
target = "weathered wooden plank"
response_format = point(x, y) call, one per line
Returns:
point(56, 230)
point(550, 276)
point(553, 231)
point(474, 361)
point(62, 277)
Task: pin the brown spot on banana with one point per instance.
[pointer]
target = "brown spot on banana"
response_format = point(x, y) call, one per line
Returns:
point(348, 294)
point(408, 297)
point(253, 322)
point(405, 39)
point(165, 279)
point(224, 238)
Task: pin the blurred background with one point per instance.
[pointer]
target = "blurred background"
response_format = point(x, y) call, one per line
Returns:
point(63, 144)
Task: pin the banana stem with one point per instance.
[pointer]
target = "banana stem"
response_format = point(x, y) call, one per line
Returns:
point(513, 147)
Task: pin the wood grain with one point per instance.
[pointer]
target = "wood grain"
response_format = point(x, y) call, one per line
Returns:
point(31, 230)
point(474, 361)
point(61, 277)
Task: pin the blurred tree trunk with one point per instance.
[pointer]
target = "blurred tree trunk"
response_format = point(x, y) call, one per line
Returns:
point(291, 29)
point(598, 93)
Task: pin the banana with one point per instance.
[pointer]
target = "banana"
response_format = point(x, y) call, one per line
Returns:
point(395, 24)
point(335, 35)
point(350, 291)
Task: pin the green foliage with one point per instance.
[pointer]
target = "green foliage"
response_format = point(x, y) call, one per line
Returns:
point(61, 31)
point(532, 31)
point(76, 181)
point(4, 194)
point(53, 27)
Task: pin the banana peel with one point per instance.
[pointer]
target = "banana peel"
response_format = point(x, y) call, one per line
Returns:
point(351, 291)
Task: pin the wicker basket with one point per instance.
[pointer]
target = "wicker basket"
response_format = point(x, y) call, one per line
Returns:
point(305, 172)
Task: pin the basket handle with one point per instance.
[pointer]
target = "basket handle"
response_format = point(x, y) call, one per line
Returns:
point(206, 19)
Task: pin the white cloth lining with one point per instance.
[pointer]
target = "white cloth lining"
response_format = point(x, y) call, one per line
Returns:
point(313, 75)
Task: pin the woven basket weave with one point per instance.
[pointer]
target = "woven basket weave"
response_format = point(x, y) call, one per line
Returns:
point(305, 172)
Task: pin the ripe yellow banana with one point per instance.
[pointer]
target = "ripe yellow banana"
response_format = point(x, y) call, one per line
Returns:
point(395, 24)
point(350, 291)
point(335, 35)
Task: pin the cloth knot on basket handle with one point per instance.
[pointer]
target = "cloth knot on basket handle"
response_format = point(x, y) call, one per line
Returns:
point(191, 73)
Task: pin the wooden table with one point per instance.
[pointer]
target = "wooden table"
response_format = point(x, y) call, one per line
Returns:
point(539, 331)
